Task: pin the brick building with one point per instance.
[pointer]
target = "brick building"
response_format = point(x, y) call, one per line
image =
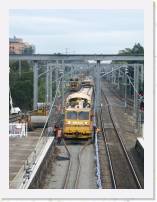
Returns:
point(18, 46)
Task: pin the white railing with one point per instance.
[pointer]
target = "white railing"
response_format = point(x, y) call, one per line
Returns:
point(17, 129)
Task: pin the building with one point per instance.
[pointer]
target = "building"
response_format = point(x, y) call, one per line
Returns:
point(18, 46)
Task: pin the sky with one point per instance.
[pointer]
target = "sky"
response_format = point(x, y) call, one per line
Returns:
point(78, 31)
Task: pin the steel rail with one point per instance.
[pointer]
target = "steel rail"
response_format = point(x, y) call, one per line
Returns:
point(108, 152)
point(123, 146)
point(129, 100)
point(70, 164)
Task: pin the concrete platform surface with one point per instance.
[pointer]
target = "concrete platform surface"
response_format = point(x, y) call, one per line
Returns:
point(19, 151)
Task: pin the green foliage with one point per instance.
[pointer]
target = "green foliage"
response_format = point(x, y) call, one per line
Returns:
point(41, 90)
point(136, 50)
point(21, 87)
point(22, 94)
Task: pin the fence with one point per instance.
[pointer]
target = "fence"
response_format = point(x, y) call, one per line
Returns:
point(17, 129)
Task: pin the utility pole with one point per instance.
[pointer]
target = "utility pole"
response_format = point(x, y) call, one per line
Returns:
point(136, 96)
point(118, 78)
point(56, 74)
point(112, 75)
point(136, 85)
point(62, 86)
point(125, 89)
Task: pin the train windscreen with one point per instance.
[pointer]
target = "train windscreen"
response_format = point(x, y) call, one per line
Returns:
point(83, 115)
point(72, 115)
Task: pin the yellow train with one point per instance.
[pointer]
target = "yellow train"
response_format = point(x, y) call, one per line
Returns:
point(78, 120)
point(42, 109)
point(87, 82)
point(74, 84)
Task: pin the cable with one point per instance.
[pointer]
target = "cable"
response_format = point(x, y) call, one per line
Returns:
point(133, 86)
point(112, 71)
point(51, 109)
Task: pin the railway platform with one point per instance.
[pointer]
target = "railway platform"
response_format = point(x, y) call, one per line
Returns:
point(20, 154)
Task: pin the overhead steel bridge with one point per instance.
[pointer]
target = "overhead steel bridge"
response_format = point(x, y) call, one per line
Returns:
point(72, 57)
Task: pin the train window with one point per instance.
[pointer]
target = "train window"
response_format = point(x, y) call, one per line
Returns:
point(83, 115)
point(72, 115)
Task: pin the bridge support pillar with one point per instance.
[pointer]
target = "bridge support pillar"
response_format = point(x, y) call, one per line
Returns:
point(56, 73)
point(142, 73)
point(112, 74)
point(98, 86)
point(47, 85)
point(35, 86)
point(51, 84)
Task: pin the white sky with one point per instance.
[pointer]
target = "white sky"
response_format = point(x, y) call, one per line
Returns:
point(78, 31)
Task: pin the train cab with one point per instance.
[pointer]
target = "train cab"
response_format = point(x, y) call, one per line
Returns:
point(78, 123)
point(74, 84)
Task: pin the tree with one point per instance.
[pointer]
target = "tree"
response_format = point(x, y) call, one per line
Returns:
point(136, 50)
point(29, 50)
point(21, 87)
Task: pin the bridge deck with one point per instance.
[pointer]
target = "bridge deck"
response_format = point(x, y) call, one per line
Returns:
point(71, 57)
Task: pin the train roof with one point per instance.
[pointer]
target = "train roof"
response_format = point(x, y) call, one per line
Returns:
point(78, 109)
point(87, 80)
point(78, 95)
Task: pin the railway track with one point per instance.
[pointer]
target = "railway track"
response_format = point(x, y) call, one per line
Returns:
point(107, 172)
point(122, 172)
point(130, 101)
point(74, 168)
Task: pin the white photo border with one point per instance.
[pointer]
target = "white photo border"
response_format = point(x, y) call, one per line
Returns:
point(148, 191)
